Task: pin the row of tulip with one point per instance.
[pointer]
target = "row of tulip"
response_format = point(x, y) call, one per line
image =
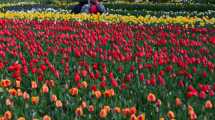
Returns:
point(2, 5)
point(192, 21)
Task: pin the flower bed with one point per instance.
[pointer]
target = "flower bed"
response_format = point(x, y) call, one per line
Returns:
point(151, 20)
point(76, 70)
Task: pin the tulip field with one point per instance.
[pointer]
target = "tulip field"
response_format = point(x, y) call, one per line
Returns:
point(95, 67)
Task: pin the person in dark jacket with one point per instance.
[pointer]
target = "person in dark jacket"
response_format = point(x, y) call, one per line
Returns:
point(101, 8)
point(77, 8)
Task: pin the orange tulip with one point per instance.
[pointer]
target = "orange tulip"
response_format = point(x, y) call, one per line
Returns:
point(98, 94)
point(151, 97)
point(2, 118)
point(26, 96)
point(33, 85)
point(112, 92)
point(5, 83)
point(83, 104)
point(79, 111)
point(103, 113)
point(192, 115)
point(8, 115)
point(84, 84)
point(125, 111)
point(117, 110)
point(109, 93)
point(208, 104)
point(9, 102)
point(46, 117)
point(21, 118)
point(53, 98)
point(19, 93)
point(35, 100)
point(18, 84)
point(73, 91)
point(190, 108)
point(45, 89)
point(178, 102)
point(58, 104)
point(12, 92)
point(107, 108)
point(161, 118)
point(171, 115)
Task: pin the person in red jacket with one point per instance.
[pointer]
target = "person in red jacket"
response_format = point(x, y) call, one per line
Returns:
point(94, 7)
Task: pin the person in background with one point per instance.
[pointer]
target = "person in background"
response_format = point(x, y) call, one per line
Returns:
point(77, 8)
point(101, 8)
point(94, 7)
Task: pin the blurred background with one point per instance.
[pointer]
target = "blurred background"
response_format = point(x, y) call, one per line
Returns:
point(116, 1)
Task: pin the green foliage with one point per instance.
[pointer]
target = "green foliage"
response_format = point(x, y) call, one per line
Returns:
point(162, 7)
point(47, 1)
point(204, 1)
point(164, 1)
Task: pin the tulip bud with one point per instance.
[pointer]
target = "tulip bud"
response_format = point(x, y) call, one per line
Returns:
point(45, 89)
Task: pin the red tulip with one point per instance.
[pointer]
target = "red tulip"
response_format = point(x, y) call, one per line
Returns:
point(202, 95)
point(141, 77)
point(114, 83)
point(212, 40)
point(94, 88)
point(204, 74)
point(77, 77)
point(103, 84)
point(84, 73)
point(43, 67)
